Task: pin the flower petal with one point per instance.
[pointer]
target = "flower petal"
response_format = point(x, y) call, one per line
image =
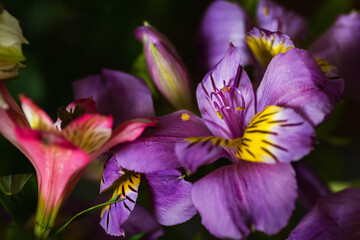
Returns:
point(265, 45)
point(58, 164)
point(223, 22)
point(155, 149)
point(339, 45)
point(11, 117)
point(112, 172)
point(195, 152)
point(227, 72)
point(125, 132)
point(334, 217)
point(114, 215)
point(276, 135)
point(114, 92)
point(171, 197)
point(294, 79)
point(140, 220)
point(89, 132)
point(37, 118)
point(274, 17)
point(234, 198)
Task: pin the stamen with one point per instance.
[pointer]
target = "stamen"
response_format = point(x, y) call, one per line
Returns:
point(67, 117)
point(266, 11)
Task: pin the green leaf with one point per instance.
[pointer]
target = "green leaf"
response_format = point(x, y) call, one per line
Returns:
point(89, 211)
point(139, 69)
point(137, 236)
point(13, 184)
point(18, 195)
point(327, 13)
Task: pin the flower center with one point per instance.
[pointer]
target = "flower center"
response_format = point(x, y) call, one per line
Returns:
point(228, 103)
point(67, 117)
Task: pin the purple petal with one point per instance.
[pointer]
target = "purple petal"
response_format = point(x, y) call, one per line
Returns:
point(171, 197)
point(154, 150)
point(334, 217)
point(114, 92)
point(275, 18)
point(294, 79)
point(112, 172)
point(141, 220)
point(223, 22)
point(227, 74)
point(114, 215)
point(340, 47)
point(276, 135)
point(311, 187)
point(193, 155)
point(264, 45)
point(234, 198)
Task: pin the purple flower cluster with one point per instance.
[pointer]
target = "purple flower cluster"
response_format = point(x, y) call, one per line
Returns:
point(256, 129)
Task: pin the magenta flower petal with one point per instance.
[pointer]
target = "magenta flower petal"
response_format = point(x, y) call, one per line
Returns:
point(58, 164)
point(234, 198)
point(294, 79)
point(274, 17)
point(339, 46)
point(226, 75)
point(171, 197)
point(336, 216)
point(154, 150)
point(118, 94)
point(223, 22)
point(11, 117)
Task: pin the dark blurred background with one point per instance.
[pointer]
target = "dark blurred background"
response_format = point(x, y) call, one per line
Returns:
point(75, 38)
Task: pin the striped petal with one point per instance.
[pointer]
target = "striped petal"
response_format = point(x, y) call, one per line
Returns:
point(273, 17)
point(276, 135)
point(171, 197)
point(37, 118)
point(223, 22)
point(113, 215)
point(294, 79)
point(89, 132)
point(233, 199)
point(58, 164)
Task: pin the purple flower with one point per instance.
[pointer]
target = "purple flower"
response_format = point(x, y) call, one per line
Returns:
point(336, 216)
point(337, 48)
point(260, 132)
point(125, 96)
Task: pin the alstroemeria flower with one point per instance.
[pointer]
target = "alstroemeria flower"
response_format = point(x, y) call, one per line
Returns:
point(11, 39)
point(336, 216)
point(261, 132)
point(60, 152)
point(170, 194)
point(165, 66)
point(221, 17)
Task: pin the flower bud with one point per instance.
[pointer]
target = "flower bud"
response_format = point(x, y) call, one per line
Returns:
point(11, 39)
point(166, 69)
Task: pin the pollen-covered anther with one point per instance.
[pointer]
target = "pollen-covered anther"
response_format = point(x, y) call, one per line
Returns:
point(185, 117)
point(67, 117)
point(266, 11)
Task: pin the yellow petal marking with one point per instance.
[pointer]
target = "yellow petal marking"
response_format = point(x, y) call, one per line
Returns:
point(129, 182)
point(256, 145)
